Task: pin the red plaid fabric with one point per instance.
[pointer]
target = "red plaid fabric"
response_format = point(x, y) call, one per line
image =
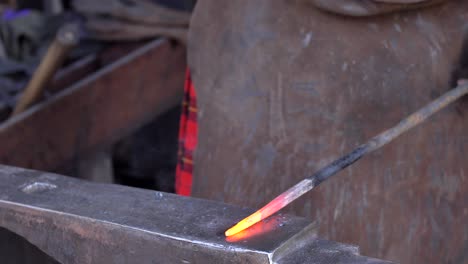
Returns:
point(187, 139)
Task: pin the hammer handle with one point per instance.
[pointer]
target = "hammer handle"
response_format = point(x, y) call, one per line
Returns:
point(67, 37)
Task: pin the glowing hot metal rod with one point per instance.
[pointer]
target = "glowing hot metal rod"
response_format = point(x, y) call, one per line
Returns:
point(376, 142)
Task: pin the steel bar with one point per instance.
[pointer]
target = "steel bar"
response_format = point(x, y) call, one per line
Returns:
point(96, 111)
point(325, 173)
point(76, 221)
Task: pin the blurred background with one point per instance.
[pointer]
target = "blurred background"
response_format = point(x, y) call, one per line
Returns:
point(91, 89)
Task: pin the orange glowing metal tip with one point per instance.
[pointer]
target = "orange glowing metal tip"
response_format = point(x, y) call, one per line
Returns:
point(244, 224)
point(263, 227)
point(272, 207)
point(375, 143)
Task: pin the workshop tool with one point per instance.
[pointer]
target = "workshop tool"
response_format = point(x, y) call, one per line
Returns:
point(71, 124)
point(325, 173)
point(66, 38)
point(76, 221)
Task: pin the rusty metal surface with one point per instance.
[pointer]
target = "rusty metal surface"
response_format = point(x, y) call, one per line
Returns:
point(76, 221)
point(96, 111)
point(284, 88)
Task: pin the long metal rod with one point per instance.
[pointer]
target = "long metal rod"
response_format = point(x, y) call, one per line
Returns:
point(325, 173)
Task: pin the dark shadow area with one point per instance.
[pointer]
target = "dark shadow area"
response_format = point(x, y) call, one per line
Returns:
point(16, 250)
point(148, 158)
point(460, 72)
point(461, 69)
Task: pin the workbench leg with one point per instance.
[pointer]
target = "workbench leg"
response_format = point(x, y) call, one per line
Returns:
point(96, 167)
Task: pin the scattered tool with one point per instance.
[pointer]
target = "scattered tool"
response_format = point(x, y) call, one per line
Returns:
point(375, 143)
point(67, 37)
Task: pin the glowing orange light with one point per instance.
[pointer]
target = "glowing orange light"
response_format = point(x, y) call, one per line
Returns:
point(245, 223)
point(269, 209)
point(259, 229)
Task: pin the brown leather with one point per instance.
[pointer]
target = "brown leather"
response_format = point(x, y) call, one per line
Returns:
point(284, 88)
point(371, 7)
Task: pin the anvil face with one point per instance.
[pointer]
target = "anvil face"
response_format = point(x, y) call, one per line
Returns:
point(75, 221)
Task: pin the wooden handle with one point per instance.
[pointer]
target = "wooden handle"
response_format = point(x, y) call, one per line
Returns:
point(67, 37)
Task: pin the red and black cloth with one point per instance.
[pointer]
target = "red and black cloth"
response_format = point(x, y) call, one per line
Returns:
point(187, 139)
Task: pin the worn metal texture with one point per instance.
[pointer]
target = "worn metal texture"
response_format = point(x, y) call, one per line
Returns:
point(76, 221)
point(284, 88)
point(96, 111)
